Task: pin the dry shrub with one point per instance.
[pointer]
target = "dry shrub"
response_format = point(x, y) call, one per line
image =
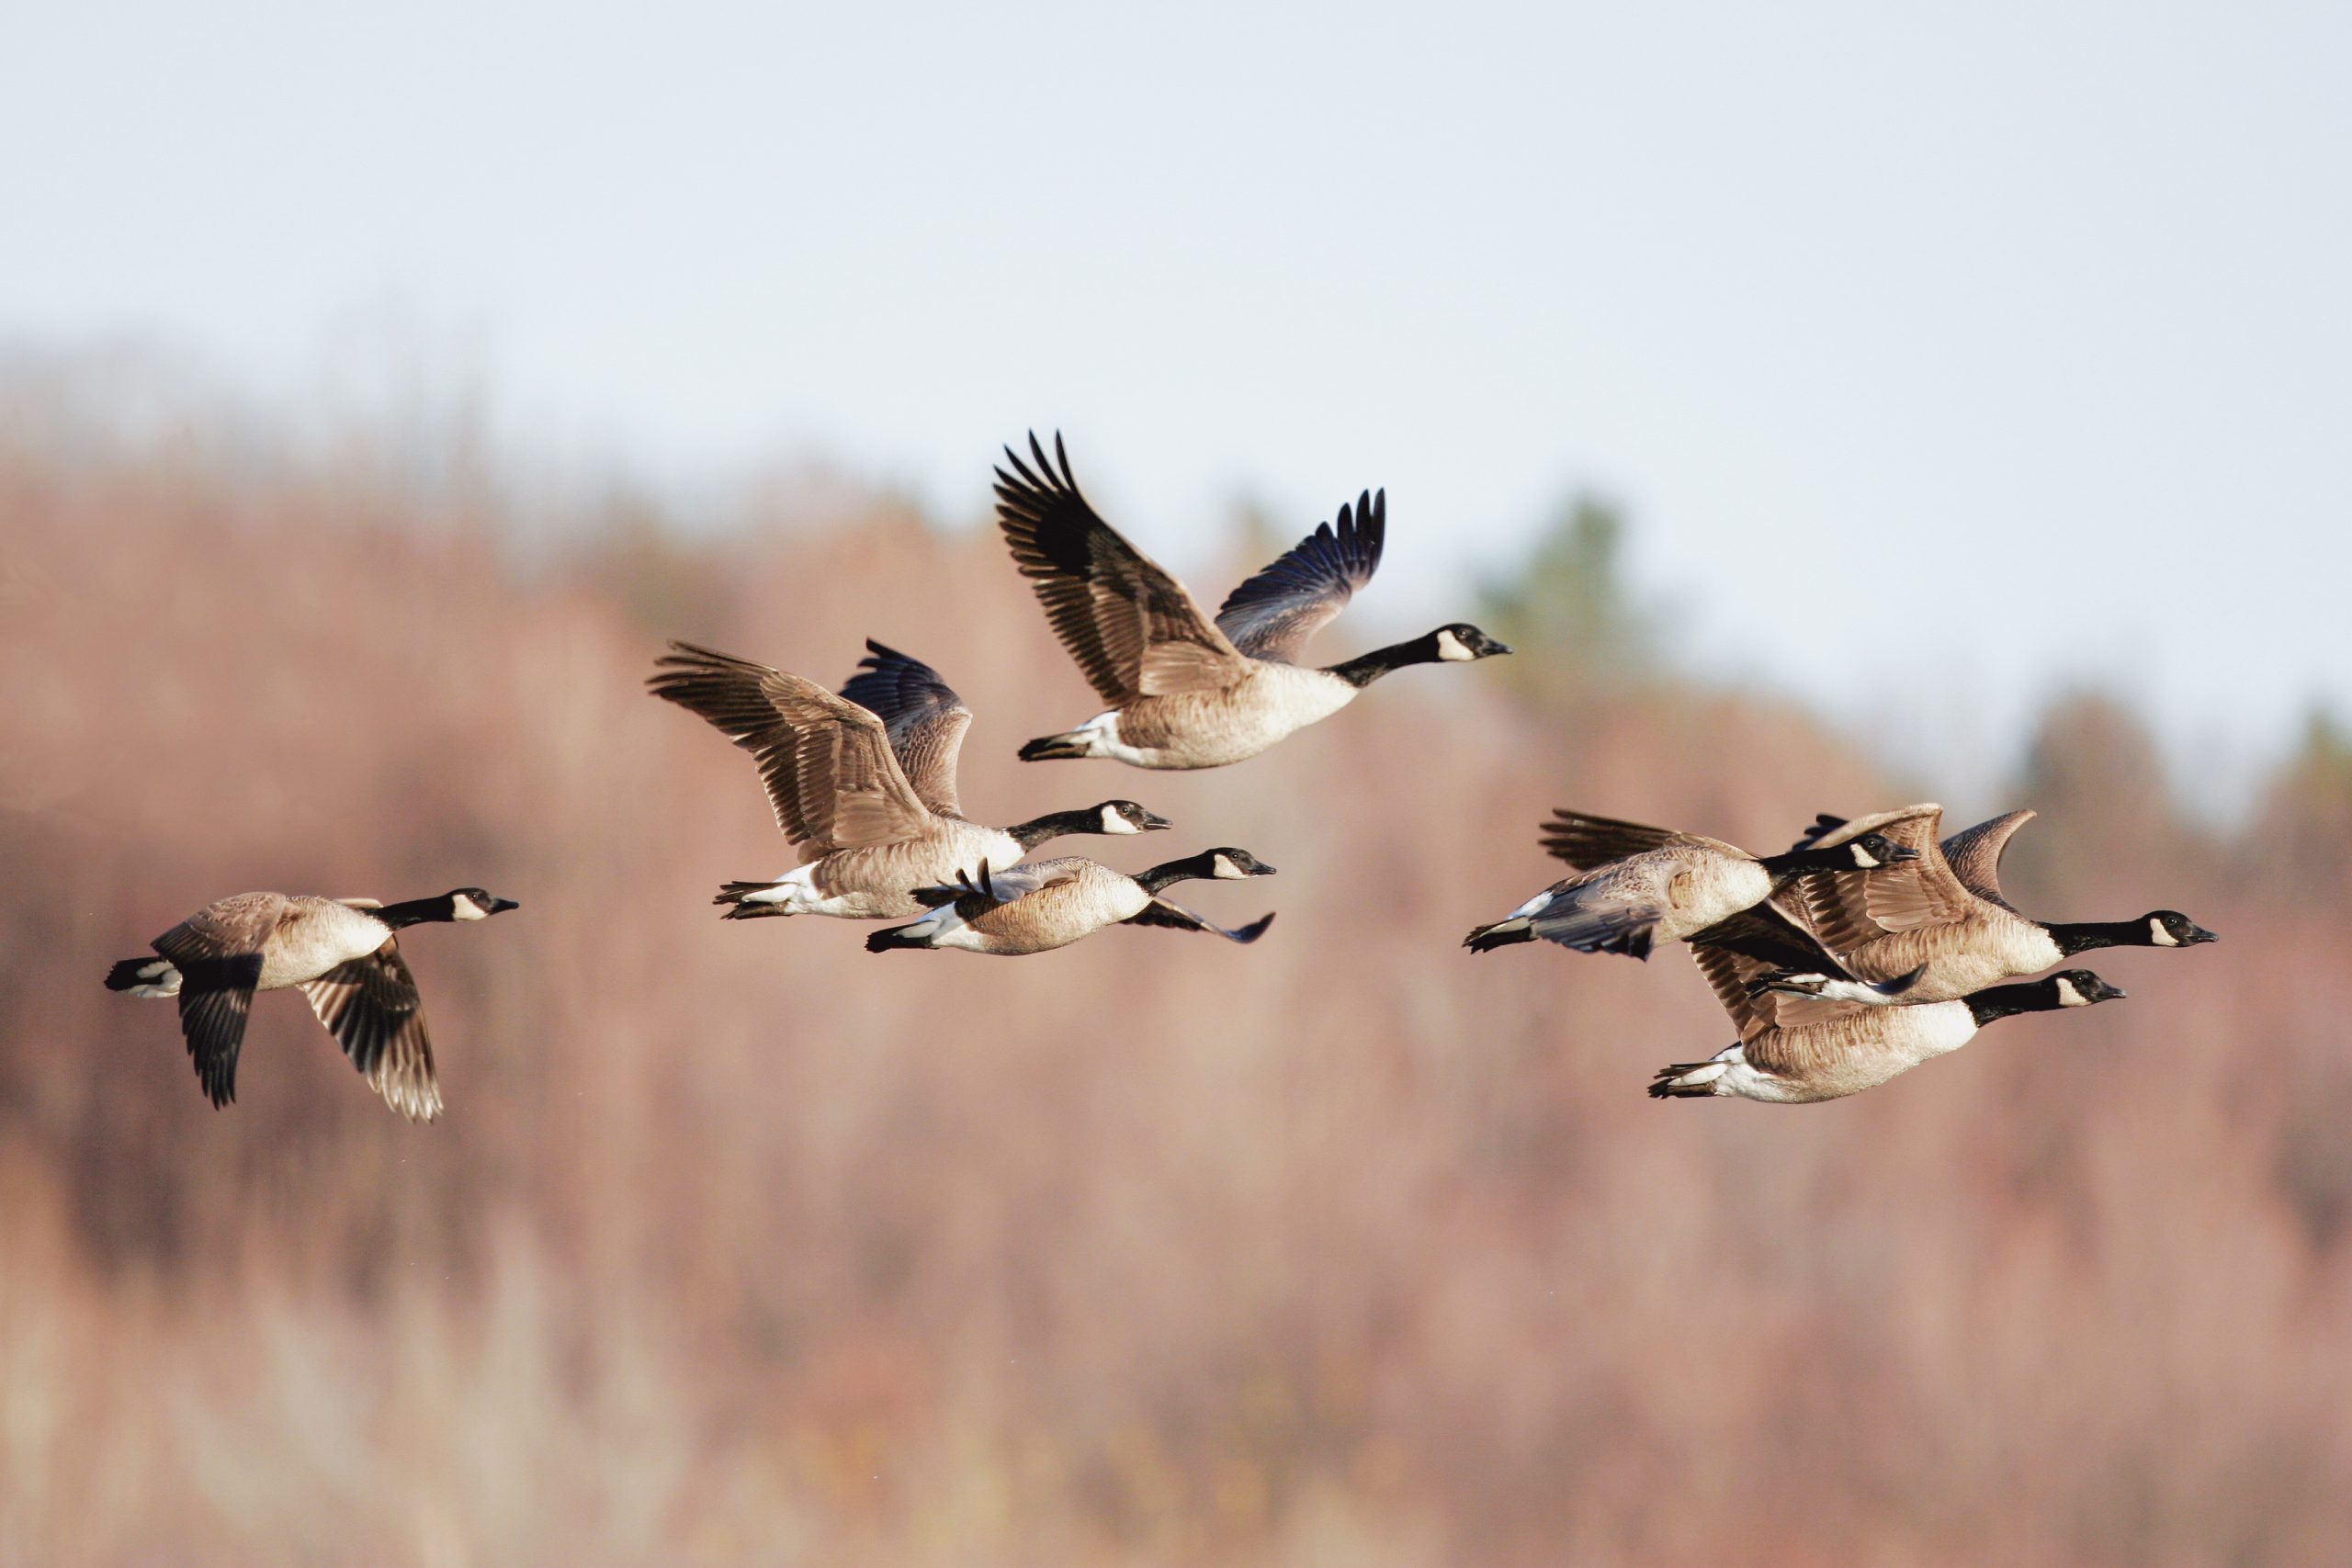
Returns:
point(740, 1244)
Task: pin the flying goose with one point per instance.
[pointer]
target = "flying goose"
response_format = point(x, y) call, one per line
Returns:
point(1847, 1048)
point(1638, 885)
point(1034, 908)
point(1941, 915)
point(864, 783)
point(343, 955)
point(1186, 691)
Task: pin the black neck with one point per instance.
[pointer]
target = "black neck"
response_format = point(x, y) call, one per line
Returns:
point(1796, 862)
point(416, 911)
point(2001, 1002)
point(1053, 825)
point(2082, 936)
point(1189, 869)
point(1363, 670)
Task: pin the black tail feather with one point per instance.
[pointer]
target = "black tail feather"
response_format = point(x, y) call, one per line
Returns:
point(1663, 1087)
point(125, 976)
point(1485, 939)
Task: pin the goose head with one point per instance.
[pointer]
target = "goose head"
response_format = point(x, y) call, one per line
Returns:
point(474, 904)
point(1125, 817)
point(1462, 642)
point(2170, 928)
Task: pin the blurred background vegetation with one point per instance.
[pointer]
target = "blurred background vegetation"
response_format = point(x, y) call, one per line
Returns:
point(739, 1243)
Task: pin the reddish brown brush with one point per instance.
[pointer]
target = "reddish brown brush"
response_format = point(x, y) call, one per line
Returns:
point(737, 1245)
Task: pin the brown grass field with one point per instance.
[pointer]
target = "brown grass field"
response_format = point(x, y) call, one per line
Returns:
point(740, 1244)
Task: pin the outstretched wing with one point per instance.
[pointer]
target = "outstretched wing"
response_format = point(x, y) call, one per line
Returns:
point(1132, 628)
point(1768, 935)
point(993, 889)
point(1729, 973)
point(925, 717)
point(1273, 613)
point(217, 952)
point(1975, 855)
point(1736, 978)
point(371, 1006)
point(1614, 909)
point(1849, 908)
point(830, 774)
point(1586, 841)
point(216, 998)
point(1160, 912)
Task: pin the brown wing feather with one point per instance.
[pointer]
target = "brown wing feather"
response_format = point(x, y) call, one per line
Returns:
point(1133, 628)
point(371, 1006)
point(1849, 908)
point(1765, 1019)
point(830, 774)
point(1585, 841)
point(1729, 973)
point(1975, 855)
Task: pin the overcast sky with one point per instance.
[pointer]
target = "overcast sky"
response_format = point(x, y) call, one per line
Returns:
point(1942, 357)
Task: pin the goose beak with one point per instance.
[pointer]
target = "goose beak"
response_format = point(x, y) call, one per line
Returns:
point(2199, 934)
point(1153, 822)
point(1494, 647)
point(1261, 869)
point(500, 906)
point(1902, 853)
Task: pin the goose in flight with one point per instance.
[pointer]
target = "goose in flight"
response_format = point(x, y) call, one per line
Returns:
point(1940, 915)
point(1187, 691)
point(864, 783)
point(1050, 904)
point(344, 954)
point(1638, 885)
point(1844, 1048)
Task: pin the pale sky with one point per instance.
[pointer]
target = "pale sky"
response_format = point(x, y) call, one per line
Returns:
point(1943, 356)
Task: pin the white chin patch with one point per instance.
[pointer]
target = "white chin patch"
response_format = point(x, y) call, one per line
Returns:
point(1225, 870)
point(464, 908)
point(1864, 859)
point(2070, 998)
point(1452, 648)
point(1115, 823)
point(2161, 937)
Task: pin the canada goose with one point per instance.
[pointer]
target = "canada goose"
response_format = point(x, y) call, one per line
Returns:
point(1642, 885)
point(863, 783)
point(1941, 914)
point(1848, 1049)
point(343, 955)
point(1186, 691)
point(1034, 908)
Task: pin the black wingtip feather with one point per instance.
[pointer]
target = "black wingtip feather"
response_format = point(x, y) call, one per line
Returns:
point(1254, 931)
